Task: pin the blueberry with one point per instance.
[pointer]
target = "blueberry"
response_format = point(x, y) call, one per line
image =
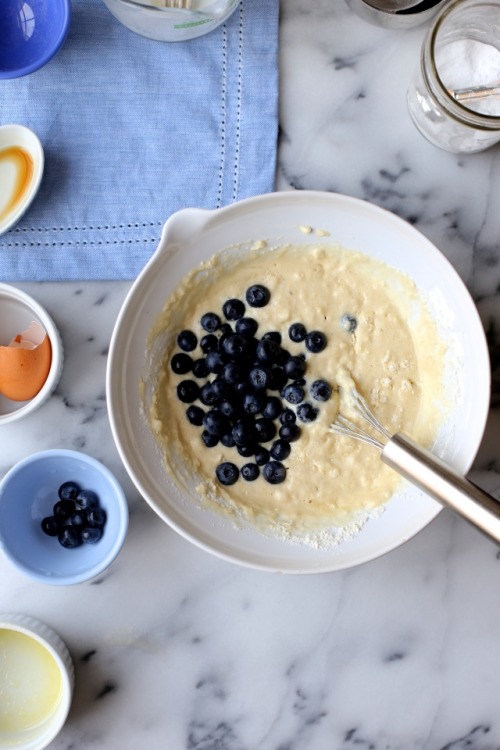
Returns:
point(200, 369)
point(187, 341)
point(274, 472)
point(273, 335)
point(209, 440)
point(293, 393)
point(50, 525)
point(233, 309)
point(260, 377)
point(250, 472)
point(68, 491)
point(243, 432)
point(215, 422)
point(227, 440)
point(220, 389)
point(280, 450)
point(208, 396)
point(265, 429)
point(252, 344)
point(209, 343)
point(283, 357)
point(87, 499)
point(215, 362)
point(295, 368)
point(195, 415)
point(242, 388)
point(228, 408)
point(257, 295)
point(225, 331)
point(278, 379)
point(290, 432)
point(64, 509)
point(253, 403)
point(307, 412)
point(96, 517)
point(288, 416)
point(246, 327)
point(187, 391)
point(246, 450)
point(70, 537)
point(227, 473)
point(262, 456)
point(300, 381)
point(91, 535)
point(315, 341)
point(268, 351)
point(235, 346)
point(297, 332)
point(273, 407)
point(321, 390)
point(233, 373)
point(210, 322)
point(78, 519)
point(348, 323)
point(181, 363)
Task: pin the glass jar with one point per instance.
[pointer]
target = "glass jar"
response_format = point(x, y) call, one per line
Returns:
point(454, 98)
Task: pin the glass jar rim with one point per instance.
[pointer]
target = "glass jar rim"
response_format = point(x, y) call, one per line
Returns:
point(456, 109)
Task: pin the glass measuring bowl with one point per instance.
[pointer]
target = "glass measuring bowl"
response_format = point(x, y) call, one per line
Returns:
point(171, 24)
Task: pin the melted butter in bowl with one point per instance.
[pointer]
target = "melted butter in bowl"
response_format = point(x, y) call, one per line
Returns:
point(31, 683)
point(36, 683)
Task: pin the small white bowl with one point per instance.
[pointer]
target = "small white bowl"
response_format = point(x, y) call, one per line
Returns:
point(19, 146)
point(32, 667)
point(17, 311)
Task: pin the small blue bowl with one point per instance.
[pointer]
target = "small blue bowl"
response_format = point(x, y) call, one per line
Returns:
point(31, 32)
point(28, 493)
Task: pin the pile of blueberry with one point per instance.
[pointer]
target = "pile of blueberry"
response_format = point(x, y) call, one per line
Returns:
point(252, 390)
point(77, 517)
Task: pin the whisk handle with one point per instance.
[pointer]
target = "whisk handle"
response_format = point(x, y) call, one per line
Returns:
point(444, 484)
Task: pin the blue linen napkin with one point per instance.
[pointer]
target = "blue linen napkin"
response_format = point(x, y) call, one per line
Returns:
point(135, 129)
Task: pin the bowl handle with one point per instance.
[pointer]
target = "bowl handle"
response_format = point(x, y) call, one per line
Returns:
point(178, 228)
point(183, 224)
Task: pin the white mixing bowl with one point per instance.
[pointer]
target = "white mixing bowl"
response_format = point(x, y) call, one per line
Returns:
point(191, 236)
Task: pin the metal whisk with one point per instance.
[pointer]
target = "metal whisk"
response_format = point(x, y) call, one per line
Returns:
point(423, 468)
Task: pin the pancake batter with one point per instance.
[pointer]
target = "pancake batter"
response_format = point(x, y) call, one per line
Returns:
point(392, 351)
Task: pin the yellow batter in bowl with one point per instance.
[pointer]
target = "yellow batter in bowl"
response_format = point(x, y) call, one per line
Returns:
point(392, 351)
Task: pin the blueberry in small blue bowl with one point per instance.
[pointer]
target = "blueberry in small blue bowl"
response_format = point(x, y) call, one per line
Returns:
point(31, 33)
point(63, 517)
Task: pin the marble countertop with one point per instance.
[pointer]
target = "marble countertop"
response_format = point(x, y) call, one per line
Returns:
point(176, 649)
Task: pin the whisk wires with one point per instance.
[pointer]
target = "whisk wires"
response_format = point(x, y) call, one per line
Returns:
point(347, 428)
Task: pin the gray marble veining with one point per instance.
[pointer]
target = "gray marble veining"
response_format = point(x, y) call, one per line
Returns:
point(175, 649)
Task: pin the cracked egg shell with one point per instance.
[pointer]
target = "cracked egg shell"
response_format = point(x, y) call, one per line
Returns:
point(25, 364)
